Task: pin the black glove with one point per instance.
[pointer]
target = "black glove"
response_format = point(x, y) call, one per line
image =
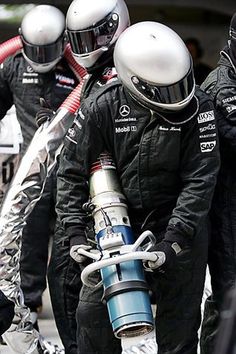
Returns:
point(6, 313)
point(44, 114)
point(166, 252)
point(168, 248)
point(79, 241)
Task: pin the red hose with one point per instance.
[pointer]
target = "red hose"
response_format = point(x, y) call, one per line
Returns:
point(72, 102)
point(72, 62)
point(10, 47)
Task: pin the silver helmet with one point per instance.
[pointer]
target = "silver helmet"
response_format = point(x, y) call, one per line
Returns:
point(43, 37)
point(155, 66)
point(93, 26)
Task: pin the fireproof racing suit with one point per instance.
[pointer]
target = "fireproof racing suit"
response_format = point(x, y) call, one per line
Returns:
point(221, 86)
point(22, 86)
point(63, 271)
point(6, 313)
point(170, 169)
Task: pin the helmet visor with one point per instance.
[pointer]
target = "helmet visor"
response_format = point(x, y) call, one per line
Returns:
point(43, 54)
point(170, 94)
point(91, 39)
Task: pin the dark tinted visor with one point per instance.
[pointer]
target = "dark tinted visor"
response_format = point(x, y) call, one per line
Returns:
point(86, 41)
point(43, 54)
point(166, 94)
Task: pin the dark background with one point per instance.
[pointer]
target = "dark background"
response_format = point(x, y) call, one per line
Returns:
point(206, 20)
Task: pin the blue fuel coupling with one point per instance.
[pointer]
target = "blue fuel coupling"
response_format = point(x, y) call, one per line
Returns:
point(126, 292)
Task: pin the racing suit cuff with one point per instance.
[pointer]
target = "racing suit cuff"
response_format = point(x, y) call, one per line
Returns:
point(76, 236)
point(176, 233)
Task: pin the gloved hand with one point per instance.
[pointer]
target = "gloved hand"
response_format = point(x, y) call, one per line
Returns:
point(6, 313)
point(44, 114)
point(79, 257)
point(76, 243)
point(177, 237)
point(166, 252)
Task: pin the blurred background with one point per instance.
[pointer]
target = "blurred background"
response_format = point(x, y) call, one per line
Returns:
point(207, 21)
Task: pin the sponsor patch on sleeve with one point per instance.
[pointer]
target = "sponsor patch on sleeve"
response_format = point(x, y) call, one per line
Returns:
point(71, 135)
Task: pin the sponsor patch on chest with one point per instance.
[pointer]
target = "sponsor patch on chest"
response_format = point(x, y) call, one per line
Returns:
point(65, 82)
point(32, 80)
point(208, 146)
point(126, 129)
point(206, 117)
point(30, 77)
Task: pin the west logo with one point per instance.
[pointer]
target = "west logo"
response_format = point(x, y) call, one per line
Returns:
point(206, 117)
point(208, 146)
point(65, 80)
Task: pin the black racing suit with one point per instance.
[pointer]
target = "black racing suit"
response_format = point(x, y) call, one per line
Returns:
point(22, 86)
point(63, 271)
point(221, 86)
point(6, 313)
point(163, 168)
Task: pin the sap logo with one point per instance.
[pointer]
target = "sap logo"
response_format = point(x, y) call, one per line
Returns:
point(206, 117)
point(208, 146)
point(207, 127)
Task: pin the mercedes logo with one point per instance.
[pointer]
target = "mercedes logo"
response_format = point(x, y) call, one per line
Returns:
point(124, 110)
point(30, 69)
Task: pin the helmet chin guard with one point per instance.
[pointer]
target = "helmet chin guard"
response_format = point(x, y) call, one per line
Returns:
point(42, 68)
